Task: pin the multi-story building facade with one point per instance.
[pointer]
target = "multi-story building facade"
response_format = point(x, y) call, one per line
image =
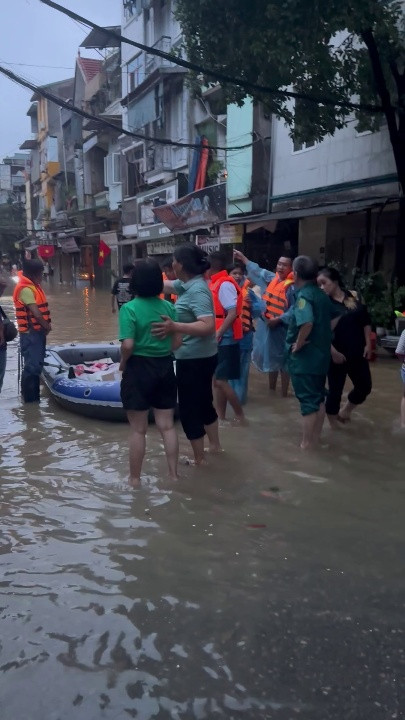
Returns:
point(155, 105)
point(343, 191)
point(45, 168)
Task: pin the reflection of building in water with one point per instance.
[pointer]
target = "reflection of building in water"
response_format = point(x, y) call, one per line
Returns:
point(86, 304)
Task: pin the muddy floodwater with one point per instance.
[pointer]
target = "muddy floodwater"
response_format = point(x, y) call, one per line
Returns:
point(208, 599)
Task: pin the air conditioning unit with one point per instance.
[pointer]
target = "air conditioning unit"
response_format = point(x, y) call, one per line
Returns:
point(136, 153)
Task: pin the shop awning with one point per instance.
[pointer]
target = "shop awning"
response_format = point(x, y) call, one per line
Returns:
point(338, 208)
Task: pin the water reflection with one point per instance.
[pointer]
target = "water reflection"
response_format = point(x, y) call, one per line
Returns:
point(207, 600)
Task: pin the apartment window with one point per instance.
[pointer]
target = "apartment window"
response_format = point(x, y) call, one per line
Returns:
point(130, 9)
point(300, 115)
point(112, 169)
point(136, 166)
point(136, 72)
point(300, 146)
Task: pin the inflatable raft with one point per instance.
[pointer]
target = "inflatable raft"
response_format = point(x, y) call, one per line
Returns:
point(83, 394)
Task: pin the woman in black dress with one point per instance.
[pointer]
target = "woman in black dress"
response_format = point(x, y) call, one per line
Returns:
point(351, 349)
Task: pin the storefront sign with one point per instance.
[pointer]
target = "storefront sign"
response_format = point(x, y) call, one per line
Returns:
point(231, 234)
point(207, 244)
point(68, 245)
point(198, 209)
point(152, 232)
point(149, 225)
point(166, 247)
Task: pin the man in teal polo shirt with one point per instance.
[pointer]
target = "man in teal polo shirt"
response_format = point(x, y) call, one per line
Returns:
point(308, 341)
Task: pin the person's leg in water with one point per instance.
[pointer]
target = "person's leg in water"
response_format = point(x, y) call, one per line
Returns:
point(213, 437)
point(336, 381)
point(241, 386)
point(310, 391)
point(285, 381)
point(273, 380)
point(319, 424)
point(358, 371)
point(403, 404)
point(228, 368)
point(225, 394)
point(33, 345)
point(138, 421)
point(197, 414)
point(309, 430)
point(207, 410)
point(164, 420)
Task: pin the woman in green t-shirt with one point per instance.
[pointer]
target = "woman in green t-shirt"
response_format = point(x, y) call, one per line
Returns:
point(148, 379)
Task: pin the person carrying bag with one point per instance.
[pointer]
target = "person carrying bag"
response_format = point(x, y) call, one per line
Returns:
point(10, 331)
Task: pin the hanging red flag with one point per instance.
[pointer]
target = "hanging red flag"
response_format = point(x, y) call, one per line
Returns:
point(46, 251)
point(103, 252)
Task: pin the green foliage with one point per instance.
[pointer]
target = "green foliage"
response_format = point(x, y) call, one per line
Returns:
point(315, 47)
point(213, 171)
point(399, 298)
point(379, 296)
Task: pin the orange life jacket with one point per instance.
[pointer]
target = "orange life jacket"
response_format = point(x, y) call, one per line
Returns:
point(275, 296)
point(247, 320)
point(25, 318)
point(172, 298)
point(220, 313)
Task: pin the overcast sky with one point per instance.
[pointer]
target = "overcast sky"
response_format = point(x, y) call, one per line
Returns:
point(34, 34)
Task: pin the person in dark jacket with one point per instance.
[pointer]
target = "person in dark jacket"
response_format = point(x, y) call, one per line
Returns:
point(351, 348)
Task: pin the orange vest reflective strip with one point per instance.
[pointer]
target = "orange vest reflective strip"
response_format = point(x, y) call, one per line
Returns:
point(247, 320)
point(25, 319)
point(220, 313)
point(275, 296)
point(173, 298)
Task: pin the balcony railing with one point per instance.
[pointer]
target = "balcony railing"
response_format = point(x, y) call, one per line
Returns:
point(142, 67)
point(160, 158)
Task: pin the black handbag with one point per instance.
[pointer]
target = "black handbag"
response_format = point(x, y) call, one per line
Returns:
point(10, 330)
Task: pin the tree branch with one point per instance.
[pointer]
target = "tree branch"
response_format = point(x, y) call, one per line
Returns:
point(389, 110)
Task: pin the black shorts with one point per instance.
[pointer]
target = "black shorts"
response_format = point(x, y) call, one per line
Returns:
point(149, 383)
point(228, 367)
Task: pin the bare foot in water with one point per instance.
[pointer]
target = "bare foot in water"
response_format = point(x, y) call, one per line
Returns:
point(345, 413)
point(134, 482)
point(307, 446)
point(333, 421)
point(196, 462)
point(240, 421)
point(215, 450)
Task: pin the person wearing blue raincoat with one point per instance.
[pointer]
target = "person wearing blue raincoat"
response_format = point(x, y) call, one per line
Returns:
point(268, 353)
point(255, 309)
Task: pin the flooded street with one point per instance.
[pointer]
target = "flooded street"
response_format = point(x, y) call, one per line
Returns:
point(208, 599)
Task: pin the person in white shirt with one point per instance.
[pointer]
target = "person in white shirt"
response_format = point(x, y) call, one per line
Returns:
point(228, 320)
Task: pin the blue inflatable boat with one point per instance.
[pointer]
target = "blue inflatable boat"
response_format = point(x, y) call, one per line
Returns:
point(81, 395)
